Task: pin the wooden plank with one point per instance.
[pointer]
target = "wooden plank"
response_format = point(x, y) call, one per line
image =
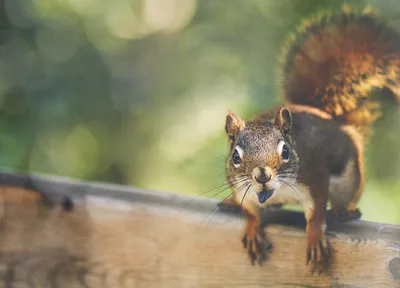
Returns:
point(124, 237)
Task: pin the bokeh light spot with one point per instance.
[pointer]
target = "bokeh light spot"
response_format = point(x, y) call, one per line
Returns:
point(168, 14)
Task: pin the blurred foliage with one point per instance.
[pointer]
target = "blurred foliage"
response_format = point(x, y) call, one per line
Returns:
point(135, 91)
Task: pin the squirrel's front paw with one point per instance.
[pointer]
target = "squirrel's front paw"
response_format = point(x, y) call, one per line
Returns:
point(319, 254)
point(256, 244)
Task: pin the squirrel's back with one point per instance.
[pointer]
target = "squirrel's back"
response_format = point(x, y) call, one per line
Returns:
point(311, 152)
point(333, 62)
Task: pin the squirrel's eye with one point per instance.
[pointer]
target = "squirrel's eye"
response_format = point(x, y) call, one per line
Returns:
point(285, 154)
point(237, 156)
point(283, 151)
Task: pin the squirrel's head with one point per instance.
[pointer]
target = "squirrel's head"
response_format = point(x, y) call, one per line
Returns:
point(261, 156)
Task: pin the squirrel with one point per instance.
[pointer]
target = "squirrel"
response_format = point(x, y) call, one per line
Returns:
point(310, 149)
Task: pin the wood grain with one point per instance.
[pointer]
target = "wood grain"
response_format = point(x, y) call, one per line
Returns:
point(162, 240)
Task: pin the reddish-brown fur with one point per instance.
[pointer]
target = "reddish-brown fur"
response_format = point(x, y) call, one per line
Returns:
point(330, 66)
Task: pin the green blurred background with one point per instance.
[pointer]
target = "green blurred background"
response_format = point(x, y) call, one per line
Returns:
point(136, 91)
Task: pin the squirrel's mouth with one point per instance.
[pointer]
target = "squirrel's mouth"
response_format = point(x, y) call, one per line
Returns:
point(264, 195)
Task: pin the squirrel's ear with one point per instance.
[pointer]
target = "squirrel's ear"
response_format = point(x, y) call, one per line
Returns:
point(283, 121)
point(233, 125)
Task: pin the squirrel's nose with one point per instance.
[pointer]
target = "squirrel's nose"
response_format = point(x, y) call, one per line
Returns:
point(261, 175)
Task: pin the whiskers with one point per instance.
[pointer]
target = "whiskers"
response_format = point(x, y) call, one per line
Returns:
point(212, 210)
point(286, 179)
point(237, 186)
point(245, 193)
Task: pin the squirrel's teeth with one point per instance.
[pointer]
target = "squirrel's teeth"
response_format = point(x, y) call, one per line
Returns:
point(264, 196)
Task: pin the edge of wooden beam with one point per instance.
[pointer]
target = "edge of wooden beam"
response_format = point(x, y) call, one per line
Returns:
point(56, 188)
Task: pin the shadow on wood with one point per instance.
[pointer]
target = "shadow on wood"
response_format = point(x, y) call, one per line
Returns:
point(122, 237)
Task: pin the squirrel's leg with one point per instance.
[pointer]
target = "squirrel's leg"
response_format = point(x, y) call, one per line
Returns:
point(318, 252)
point(346, 190)
point(254, 239)
point(344, 215)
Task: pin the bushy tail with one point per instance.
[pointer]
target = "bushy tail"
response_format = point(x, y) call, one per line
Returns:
point(334, 61)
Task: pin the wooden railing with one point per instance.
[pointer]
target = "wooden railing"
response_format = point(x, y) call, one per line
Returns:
point(116, 236)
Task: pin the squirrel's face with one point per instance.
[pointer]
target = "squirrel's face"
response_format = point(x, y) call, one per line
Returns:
point(261, 156)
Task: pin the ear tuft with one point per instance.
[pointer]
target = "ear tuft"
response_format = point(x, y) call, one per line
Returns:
point(233, 125)
point(283, 121)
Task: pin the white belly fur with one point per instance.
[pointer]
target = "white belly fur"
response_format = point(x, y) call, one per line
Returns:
point(296, 194)
point(342, 188)
point(341, 191)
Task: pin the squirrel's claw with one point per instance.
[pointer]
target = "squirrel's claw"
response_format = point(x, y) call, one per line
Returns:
point(257, 246)
point(319, 255)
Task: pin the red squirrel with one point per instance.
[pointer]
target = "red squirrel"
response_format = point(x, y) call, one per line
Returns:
point(310, 150)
